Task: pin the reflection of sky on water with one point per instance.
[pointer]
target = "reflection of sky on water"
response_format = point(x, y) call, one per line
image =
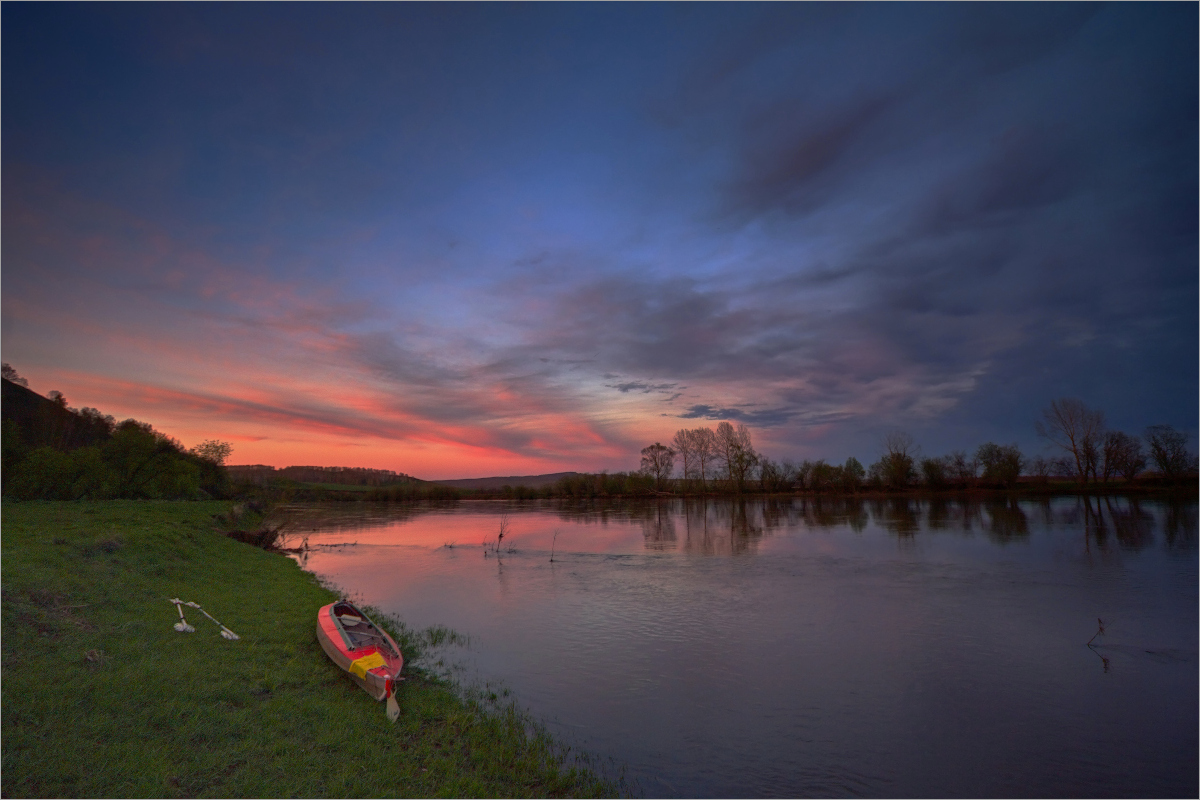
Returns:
point(724, 527)
point(817, 647)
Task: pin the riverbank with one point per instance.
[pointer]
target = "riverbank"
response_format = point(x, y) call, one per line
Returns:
point(598, 489)
point(102, 697)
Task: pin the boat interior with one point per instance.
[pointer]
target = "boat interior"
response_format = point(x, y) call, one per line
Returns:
point(360, 630)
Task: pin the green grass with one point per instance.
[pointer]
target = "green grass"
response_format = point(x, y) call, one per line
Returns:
point(101, 697)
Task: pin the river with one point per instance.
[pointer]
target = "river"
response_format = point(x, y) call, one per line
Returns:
point(833, 647)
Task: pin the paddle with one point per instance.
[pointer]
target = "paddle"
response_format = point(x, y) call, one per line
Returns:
point(393, 708)
point(228, 634)
point(182, 626)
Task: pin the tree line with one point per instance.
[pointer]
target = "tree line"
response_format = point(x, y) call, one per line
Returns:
point(54, 452)
point(1084, 450)
point(345, 476)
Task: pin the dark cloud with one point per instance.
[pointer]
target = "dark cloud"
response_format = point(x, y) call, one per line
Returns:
point(798, 172)
point(642, 387)
point(803, 147)
point(767, 418)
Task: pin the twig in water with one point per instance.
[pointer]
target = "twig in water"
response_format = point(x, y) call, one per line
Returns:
point(1099, 632)
point(552, 542)
point(503, 530)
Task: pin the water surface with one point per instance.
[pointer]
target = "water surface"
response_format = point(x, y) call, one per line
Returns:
point(797, 648)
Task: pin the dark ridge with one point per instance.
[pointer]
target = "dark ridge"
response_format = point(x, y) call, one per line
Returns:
point(531, 481)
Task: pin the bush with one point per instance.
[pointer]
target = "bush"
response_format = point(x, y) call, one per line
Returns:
point(934, 472)
point(1001, 463)
point(45, 474)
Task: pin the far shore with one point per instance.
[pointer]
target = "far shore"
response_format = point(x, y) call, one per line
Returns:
point(580, 486)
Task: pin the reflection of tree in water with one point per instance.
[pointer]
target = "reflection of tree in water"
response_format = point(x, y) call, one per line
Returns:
point(1179, 525)
point(959, 514)
point(592, 511)
point(726, 526)
point(941, 515)
point(1045, 509)
point(1133, 526)
point(700, 530)
point(831, 512)
point(1006, 521)
point(1094, 524)
point(778, 513)
point(743, 532)
point(898, 514)
point(658, 527)
point(856, 515)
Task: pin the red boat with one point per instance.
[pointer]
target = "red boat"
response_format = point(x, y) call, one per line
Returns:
point(362, 648)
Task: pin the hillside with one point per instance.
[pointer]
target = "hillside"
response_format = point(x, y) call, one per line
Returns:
point(53, 452)
point(532, 481)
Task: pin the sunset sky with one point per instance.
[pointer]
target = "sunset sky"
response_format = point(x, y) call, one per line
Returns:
point(464, 240)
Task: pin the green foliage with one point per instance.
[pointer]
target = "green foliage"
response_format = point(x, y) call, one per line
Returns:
point(415, 493)
point(45, 474)
point(586, 486)
point(102, 698)
point(213, 450)
point(894, 470)
point(52, 452)
point(14, 448)
point(853, 474)
point(137, 462)
point(1001, 463)
point(933, 470)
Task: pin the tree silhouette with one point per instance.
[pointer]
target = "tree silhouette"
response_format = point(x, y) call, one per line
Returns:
point(1076, 429)
point(658, 461)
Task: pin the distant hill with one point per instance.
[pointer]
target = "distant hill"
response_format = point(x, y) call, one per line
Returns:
point(532, 481)
point(352, 476)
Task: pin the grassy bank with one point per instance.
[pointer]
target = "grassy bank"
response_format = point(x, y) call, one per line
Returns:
point(103, 698)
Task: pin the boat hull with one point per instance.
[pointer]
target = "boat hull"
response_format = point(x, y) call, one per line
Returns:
point(348, 636)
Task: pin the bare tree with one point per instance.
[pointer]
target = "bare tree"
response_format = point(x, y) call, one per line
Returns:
point(897, 466)
point(658, 461)
point(1168, 448)
point(1076, 429)
point(961, 468)
point(735, 449)
point(1121, 455)
point(704, 451)
point(685, 445)
point(1040, 468)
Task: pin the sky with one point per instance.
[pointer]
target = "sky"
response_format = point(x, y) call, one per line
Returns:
point(460, 240)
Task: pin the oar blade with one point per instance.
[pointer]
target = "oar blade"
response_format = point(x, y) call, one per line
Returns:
point(393, 707)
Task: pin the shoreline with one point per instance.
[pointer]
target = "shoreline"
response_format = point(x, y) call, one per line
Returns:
point(92, 667)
